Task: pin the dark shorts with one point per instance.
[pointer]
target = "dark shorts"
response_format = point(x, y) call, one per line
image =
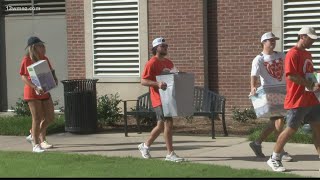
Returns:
point(159, 113)
point(296, 117)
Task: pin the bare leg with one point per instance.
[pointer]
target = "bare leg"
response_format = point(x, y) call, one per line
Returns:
point(266, 132)
point(156, 131)
point(48, 108)
point(283, 138)
point(279, 124)
point(37, 115)
point(168, 126)
point(316, 135)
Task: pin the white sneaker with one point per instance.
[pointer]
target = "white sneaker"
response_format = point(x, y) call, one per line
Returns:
point(286, 157)
point(30, 140)
point(276, 165)
point(173, 157)
point(37, 149)
point(46, 145)
point(145, 152)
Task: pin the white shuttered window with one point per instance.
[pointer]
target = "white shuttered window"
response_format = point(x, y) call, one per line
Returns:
point(298, 13)
point(115, 38)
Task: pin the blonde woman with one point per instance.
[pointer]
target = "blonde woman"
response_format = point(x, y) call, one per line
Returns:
point(40, 103)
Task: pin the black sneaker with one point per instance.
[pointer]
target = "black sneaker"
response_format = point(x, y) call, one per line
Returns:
point(257, 149)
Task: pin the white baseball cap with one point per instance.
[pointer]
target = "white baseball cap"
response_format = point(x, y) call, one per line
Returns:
point(158, 41)
point(268, 35)
point(308, 31)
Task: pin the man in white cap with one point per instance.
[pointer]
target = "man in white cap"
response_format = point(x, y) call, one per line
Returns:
point(157, 65)
point(301, 102)
point(268, 65)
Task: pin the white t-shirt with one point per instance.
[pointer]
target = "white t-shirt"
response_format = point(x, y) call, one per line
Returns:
point(270, 68)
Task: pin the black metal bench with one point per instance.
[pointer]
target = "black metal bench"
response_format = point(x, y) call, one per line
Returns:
point(206, 102)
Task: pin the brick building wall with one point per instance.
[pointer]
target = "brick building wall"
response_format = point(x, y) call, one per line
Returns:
point(234, 31)
point(180, 22)
point(75, 39)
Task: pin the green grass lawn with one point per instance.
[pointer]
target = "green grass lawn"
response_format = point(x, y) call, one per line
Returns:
point(54, 164)
point(20, 125)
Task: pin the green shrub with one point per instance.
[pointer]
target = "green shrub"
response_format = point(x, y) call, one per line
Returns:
point(108, 110)
point(243, 116)
point(21, 108)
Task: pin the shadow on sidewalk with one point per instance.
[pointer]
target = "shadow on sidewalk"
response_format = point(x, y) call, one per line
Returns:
point(65, 147)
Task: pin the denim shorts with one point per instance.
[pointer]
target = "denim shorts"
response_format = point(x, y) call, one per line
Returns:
point(159, 114)
point(296, 117)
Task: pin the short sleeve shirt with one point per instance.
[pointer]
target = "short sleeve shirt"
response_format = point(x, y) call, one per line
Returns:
point(153, 68)
point(270, 68)
point(296, 95)
point(29, 93)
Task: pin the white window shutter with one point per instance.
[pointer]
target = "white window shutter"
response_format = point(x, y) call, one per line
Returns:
point(48, 7)
point(298, 13)
point(115, 38)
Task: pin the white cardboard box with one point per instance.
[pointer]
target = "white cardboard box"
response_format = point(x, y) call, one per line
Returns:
point(269, 101)
point(177, 99)
point(315, 77)
point(41, 75)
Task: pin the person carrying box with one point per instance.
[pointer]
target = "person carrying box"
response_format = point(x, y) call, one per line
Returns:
point(157, 65)
point(39, 102)
point(269, 66)
point(300, 101)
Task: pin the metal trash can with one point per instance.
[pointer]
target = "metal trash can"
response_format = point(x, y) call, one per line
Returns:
point(80, 102)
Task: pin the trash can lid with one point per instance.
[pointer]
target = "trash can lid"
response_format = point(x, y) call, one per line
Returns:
point(78, 80)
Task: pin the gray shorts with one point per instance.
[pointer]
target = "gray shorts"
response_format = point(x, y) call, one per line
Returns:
point(159, 114)
point(296, 117)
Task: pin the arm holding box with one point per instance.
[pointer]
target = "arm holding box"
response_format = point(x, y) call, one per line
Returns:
point(253, 83)
point(148, 82)
point(310, 85)
point(29, 83)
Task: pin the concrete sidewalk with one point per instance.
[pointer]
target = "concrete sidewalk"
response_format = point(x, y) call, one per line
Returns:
point(230, 151)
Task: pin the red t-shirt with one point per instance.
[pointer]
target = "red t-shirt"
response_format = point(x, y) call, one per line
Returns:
point(29, 93)
point(297, 96)
point(153, 68)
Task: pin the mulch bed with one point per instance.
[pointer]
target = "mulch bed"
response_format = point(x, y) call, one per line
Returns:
point(195, 126)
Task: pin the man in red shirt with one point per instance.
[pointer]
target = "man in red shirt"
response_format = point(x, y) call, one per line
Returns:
point(158, 65)
point(300, 101)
